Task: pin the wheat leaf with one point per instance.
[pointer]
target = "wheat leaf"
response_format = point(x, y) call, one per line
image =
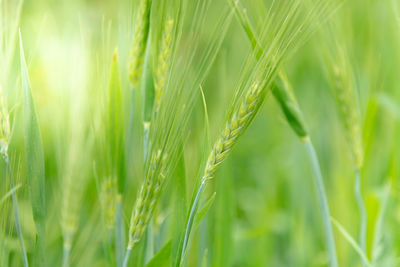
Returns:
point(34, 160)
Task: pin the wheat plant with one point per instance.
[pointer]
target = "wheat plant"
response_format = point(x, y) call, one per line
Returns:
point(166, 133)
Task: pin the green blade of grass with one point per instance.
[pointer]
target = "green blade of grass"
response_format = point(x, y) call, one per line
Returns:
point(162, 258)
point(115, 127)
point(203, 211)
point(378, 231)
point(16, 215)
point(179, 202)
point(363, 212)
point(9, 193)
point(352, 242)
point(34, 161)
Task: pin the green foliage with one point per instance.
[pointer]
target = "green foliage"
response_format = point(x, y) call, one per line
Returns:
point(34, 161)
point(156, 132)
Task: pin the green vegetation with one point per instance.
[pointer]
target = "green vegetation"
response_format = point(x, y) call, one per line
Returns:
point(199, 133)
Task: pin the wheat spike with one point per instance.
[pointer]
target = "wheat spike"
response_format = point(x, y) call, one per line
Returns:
point(148, 196)
point(349, 113)
point(108, 201)
point(233, 129)
point(163, 62)
point(139, 43)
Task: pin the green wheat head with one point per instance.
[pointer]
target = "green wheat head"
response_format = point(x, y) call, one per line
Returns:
point(108, 201)
point(164, 60)
point(139, 43)
point(341, 75)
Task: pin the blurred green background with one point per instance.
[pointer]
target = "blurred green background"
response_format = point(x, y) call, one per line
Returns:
point(265, 211)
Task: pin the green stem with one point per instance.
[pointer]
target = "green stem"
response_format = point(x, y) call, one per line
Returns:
point(119, 234)
point(363, 213)
point(127, 254)
point(66, 252)
point(189, 224)
point(16, 215)
point(323, 202)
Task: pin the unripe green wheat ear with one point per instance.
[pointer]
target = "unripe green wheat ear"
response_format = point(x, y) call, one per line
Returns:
point(139, 43)
point(341, 76)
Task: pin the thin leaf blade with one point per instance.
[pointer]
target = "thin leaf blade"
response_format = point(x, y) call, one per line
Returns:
point(34, 160)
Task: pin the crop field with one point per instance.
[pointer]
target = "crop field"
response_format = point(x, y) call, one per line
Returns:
point(155, 133)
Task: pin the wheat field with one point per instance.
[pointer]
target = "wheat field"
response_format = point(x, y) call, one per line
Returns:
point(199, 133)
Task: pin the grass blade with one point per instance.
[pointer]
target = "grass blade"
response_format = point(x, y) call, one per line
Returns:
point(352, 242)
point(362, 210)
point(16, 215)
point(179, 203)
point(162, 257)
point(9, 193)
point(377, 246)
point(34, 161)
point(115, 126)
point(203, 211)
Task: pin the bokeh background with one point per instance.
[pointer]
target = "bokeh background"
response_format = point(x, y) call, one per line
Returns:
point(265, 211)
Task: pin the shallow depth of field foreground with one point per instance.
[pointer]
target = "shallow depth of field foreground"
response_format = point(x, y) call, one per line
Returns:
point(155, 133)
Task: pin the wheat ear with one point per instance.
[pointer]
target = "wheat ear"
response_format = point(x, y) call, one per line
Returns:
point(239, 121)
point(348, 110)
point(146, 201)
point(163, 62)
point(139, 44)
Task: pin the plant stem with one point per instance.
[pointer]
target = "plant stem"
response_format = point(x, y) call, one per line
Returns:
point(190, 219)
point(323, 202)
point(119, 233)
point(363, 212)
point(126, 259)
point(66, 252)
point(16, 215)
